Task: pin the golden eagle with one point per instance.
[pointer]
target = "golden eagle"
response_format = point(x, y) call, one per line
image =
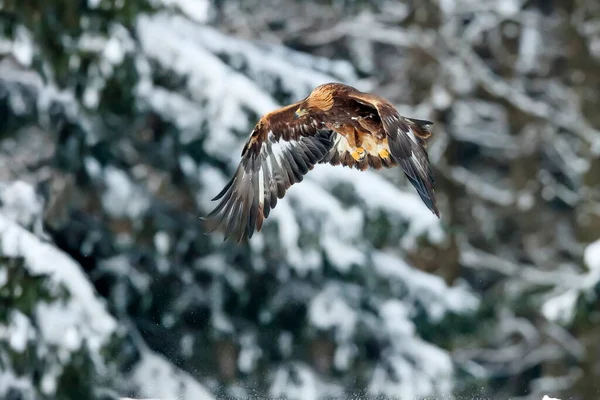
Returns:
point(335, 124)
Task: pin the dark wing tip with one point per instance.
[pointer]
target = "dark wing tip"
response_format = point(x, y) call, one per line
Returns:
point(421, 182)
point(243, 207)
point(410, 155)
point(227, 216)
point(223, 191)
point(432, 205)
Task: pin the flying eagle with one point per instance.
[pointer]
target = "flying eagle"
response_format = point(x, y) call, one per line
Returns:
point(335, 124)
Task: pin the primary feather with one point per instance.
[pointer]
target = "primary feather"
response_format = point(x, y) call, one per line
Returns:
point(335, 124)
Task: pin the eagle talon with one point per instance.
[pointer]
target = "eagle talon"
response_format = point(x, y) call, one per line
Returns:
point(384, 153)
point(358, 154)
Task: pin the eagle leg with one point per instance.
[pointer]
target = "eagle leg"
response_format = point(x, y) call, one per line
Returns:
point(359, 154)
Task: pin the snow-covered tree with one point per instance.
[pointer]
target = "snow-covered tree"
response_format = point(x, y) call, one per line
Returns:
point(121, 120)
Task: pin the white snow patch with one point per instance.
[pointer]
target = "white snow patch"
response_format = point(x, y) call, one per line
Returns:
point(92, 42)
point(530, 43)
point(337, 226)
point(300, 384)
point(178, 45)
point(91, 96)
point(21, 203)
point(121, 197)
point(63, 323)
point(157, 377)
point(114, 52)
point(483, 123)
point(188, 165)
point(591, 257)
point(328, 310)
point(525, 201)
point(174, 107)
point(441, 98)
point(212, 180)
point(345, 223)
point(561, 308)
point(302, 388)
point(121, 266)
point(344, 353)
point(249, 353)
point(421, 370)
point(84, 309)
point(378, 193)
point(221, 323)
point(23, 46)
point(162, 242)
point(18, 331)
point(58, 325)
point(22, 383)
point(92, 167)
point(289, 233)
point(508, 8)
point(396, 318)
point(197, 10)
point(430, 290)
point(496, 193)
point(266, 63)
point(48, 384)
point(342, 254)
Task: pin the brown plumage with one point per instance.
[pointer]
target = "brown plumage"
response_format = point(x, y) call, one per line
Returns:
point(335, 124)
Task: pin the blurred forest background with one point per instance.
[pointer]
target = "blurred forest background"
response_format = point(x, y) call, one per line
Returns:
point(120, 119)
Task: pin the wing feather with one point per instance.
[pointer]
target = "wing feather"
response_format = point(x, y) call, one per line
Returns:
point(279, 152)
point(407, 143)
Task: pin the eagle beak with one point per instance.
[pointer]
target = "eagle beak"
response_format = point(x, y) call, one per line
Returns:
point(300, 113)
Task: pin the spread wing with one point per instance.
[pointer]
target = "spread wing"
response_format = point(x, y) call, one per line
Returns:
point(279, 152)
point(406, 138)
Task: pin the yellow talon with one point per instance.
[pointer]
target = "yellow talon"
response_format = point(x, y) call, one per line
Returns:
point(384, 153)
point(358, 154)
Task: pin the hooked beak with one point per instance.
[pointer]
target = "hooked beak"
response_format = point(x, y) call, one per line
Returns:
point(300, 113)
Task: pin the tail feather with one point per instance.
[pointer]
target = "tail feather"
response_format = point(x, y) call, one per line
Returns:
point(422, 122)
point(421, 129)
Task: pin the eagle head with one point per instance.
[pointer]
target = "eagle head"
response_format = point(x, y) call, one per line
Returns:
point(319, 100)
point(300, 112)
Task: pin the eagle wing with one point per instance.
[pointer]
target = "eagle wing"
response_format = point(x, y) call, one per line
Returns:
point(279, 152)
point(406, 138)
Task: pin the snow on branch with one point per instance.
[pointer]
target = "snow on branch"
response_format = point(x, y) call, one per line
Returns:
point(474, 258)
point(440, 44)
point(156, 376)
point(572, 120)
point(82, 318)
